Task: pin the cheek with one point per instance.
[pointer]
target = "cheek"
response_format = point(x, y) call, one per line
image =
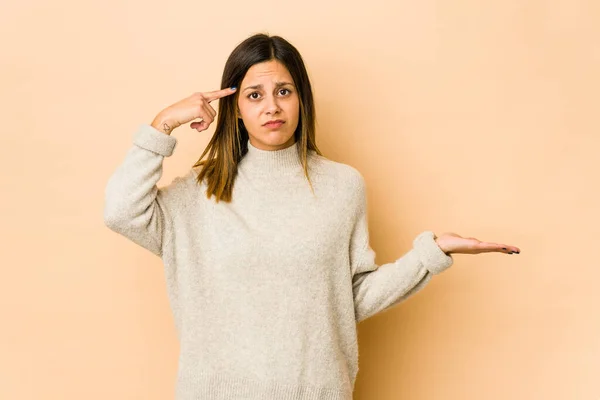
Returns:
point(292, 105)
point(252, 113)
point(295, 109)
point(247, 111)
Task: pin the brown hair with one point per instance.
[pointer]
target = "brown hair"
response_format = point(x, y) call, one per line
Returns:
point(230, 140)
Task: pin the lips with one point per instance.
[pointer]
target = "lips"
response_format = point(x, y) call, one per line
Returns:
point(277, 122)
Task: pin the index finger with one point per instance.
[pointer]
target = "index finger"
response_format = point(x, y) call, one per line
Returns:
point(217, 94)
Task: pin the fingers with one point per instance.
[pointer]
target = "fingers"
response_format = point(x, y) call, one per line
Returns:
point(200, 126)
point(207, 114)
point(508, 249)
point(217, 94)
point(502, 248)
point(211, 110)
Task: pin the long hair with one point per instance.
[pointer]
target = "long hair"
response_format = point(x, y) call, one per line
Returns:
point(230, 140)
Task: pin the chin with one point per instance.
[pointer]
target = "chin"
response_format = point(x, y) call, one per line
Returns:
point(275, 139)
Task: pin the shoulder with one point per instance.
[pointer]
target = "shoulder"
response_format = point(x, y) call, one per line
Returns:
point(339, 170)
point(343, 177)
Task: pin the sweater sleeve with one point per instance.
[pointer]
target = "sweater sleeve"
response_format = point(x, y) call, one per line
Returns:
point(377, 288)
point(134, 206)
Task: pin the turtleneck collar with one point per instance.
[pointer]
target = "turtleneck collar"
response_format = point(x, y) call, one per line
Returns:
point(272, 162)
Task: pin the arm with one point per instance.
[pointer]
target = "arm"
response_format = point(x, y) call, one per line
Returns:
point(134, 206)
point(377, 288)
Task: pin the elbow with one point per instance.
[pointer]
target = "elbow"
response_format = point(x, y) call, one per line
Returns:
point(112, 210)
point(122, 218)
point(112, 222)
point(113, 217)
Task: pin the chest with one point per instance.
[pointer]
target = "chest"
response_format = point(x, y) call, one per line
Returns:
point(279, 234)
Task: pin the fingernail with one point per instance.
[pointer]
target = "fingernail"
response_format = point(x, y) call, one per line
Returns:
point(233, 87)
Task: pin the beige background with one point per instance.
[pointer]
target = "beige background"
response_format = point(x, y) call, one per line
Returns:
point(474, 117)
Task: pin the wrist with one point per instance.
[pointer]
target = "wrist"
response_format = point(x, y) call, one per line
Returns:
point(163, 124)
point(437, 241)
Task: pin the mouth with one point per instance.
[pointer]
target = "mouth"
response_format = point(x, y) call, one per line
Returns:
point(274, 123)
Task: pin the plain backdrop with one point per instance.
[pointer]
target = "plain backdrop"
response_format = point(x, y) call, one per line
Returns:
point(479, 118)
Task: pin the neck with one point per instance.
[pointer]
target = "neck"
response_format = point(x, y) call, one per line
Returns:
point(272, 162)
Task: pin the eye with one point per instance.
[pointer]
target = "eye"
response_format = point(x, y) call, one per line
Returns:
point(255, 98)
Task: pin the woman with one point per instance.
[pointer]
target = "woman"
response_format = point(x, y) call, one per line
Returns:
point(266, 278)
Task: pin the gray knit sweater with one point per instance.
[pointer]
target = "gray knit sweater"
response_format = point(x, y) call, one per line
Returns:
point(266, 290)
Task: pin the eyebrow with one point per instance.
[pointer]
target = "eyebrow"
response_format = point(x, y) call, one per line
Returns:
point(277, 84)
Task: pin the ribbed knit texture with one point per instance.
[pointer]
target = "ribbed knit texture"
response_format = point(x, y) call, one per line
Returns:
point(266, 290)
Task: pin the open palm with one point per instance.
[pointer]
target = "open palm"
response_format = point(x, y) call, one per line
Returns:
point(451, 242)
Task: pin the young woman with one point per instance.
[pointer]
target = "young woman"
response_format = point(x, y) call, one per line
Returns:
point(265, 243)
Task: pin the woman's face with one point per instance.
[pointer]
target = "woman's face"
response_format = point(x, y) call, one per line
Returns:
point(267, 93)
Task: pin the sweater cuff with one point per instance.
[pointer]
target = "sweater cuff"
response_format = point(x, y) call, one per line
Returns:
point(149, 138)
point(431, 255)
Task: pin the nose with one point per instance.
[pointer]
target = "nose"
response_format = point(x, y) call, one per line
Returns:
point(271, 105)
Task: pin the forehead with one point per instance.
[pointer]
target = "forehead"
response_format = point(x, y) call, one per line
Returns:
point(272, 70)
